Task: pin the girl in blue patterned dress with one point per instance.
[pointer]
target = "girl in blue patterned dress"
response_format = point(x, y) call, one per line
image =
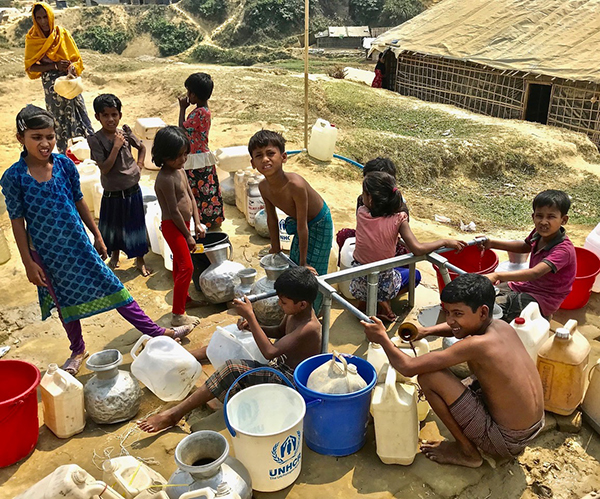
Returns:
point(48, 213)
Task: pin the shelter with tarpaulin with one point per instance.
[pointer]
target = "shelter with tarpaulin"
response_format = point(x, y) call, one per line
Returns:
point(342, 37)
point(535, 60)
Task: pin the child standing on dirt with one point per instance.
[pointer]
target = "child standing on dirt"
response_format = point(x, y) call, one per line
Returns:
point(200, 165)
point(48, 213)
point(297, 338)
point(122, 223)
point(502, 409)
point(552, 264)
point(309, 218)
point(169, 152)
point(378, 223)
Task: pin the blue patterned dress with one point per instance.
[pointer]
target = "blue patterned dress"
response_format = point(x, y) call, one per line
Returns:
point(84, 285)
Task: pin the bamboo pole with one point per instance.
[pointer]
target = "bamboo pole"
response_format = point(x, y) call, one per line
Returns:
point(306, 14)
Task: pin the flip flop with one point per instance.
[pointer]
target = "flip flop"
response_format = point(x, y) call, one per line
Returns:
point(73, 365)
point(391, 317)
point(182, 331)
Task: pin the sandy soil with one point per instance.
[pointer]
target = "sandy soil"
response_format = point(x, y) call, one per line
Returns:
point(565, 463)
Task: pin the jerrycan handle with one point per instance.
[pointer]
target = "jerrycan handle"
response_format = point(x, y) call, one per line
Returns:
point(247, 373)
point(206, 492)
point(340, 357)
point(571, 325)
point(531, 312)
point(230, 257)
point(142, 341)
point(390, 383)
point(592, 369)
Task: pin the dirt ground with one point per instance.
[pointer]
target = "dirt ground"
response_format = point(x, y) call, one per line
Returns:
point(558, 464)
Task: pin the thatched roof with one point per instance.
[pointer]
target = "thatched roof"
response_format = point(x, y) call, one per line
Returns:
point(558, 38)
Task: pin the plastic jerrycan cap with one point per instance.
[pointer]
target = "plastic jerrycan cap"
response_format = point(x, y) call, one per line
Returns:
point(352, 369)
point(520, 321)
point(563, 333)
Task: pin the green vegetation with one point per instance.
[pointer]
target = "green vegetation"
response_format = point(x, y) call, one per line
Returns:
point(212, 10)
point(171, 37)
point(102, 39)
point(365, 12)
point(398, 11)
point(237, 57)
point(22, 26)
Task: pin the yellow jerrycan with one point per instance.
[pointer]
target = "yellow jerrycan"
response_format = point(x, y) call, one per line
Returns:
point(562, 363)
point(591, 402)
point(394, 408)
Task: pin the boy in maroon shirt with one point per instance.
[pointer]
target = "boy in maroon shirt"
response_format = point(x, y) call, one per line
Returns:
point(552, 264)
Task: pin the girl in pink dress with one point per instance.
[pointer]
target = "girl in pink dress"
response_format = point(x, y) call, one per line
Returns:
point(200, 166)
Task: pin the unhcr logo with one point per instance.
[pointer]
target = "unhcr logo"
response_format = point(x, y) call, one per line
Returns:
point(287, 454)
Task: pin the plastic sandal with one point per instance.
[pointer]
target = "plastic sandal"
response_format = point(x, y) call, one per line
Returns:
point(183, 331)
point(73, 364)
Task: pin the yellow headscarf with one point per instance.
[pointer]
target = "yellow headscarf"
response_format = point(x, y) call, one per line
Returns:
point(58, 45)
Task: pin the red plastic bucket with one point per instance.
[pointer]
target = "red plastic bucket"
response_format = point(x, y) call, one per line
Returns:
point(470, 260)
point(588, 267)
point(19, 427)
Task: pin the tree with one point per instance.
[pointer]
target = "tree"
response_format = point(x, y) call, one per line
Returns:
point(399, 11)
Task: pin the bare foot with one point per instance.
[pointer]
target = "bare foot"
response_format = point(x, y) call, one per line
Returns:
point(451, 453)
point(184, 320)
point(196, 303)
point(113, 263)
point(214, 405)
point(199, 354)
point(158, 422)
point(143, 268)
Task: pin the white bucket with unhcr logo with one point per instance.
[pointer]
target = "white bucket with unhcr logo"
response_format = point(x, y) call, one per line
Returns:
point(266, 423)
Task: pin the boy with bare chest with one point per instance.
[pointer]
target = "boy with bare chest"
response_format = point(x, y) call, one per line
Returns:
point(170, 150)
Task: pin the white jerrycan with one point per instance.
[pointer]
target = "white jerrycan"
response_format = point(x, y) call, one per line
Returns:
point(62, 399)
point(69, 482)
point(323, 136)
point(229, 342)
point(378, 358)
point(591, 402)
point(223, 492)
point(130, 477)
point(592, 243)
point(394, 408)
point(532, 328)
point(165, 367)
point(346, 257)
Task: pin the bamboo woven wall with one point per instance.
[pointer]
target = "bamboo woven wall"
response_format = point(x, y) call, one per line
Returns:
point(576, 106)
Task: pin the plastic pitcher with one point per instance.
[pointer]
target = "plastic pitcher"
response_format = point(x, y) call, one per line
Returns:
point(18, 410)
point(532, 328)
point(165, 367)
point(591, 402)
point(562, 362)
point(268, 442)
point(62, 399)
point(592, 243)
point(145, 129)
point(231, 159)
point(130, 477)
point(394, 408)
point(323, 136)
point(69, 482)
point(336, 424)
point(229, 342)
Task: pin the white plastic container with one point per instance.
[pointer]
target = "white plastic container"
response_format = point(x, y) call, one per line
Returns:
point(229, 342)
point(98, 192)
point(336, 376)
point(346, 258)
point(157, 492)
point(592, 243)
point(165, 367)
point(323, 136)
point(377, 357)
point(254, 203)
point(89, 176)
point(285, 240)
point(62, 399)
point(145, 129)
point(80, 148)
point(231, 159)
point(69, 482)
point(532, 328)
point(4, 249)
point(223, 492)
point(153, 214)
point(591, 402)
point(394, 408)
point(130, 477)
point(228, 189)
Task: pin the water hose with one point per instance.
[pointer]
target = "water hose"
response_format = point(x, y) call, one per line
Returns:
point(337, 156)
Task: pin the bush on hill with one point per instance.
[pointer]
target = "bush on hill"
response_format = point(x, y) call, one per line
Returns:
point(171, 38)
point(213, 10)
point(102, 39)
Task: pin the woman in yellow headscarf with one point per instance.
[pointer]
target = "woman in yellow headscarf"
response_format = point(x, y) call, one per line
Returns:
point(50, 52)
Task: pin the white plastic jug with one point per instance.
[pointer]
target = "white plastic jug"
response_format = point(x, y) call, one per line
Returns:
point(231, 159)
point(165, 367)
point(80, 149)
point(532, 328)
point(62, 399)
point(255, 202)
point(156, 492)
point(69, 482)
point(223, 492)
point(346, 258)
point(591, 402)
point(89, 176)
point(394, 408)
point(323, 136)
point(229, 342)
point(153, 214)
point(130, 477)
point(592, 243)
point(145, 129)
point(336, 376)
point(377, 357)
point(98, 192)
point(4, 249)
point(285, 240)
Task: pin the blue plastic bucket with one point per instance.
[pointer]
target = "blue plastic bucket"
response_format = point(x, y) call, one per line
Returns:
point(335, 424)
